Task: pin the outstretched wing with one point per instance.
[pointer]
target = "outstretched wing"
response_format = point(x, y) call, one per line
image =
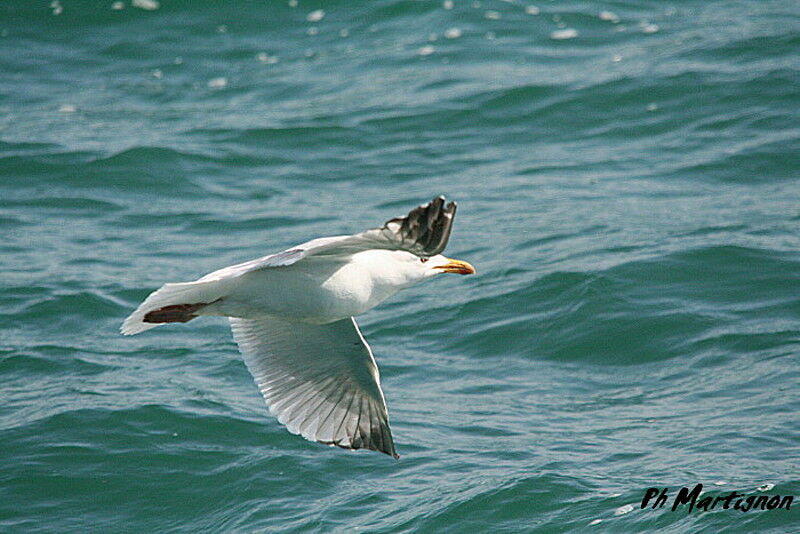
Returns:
point(321, 381)
point(424, 232)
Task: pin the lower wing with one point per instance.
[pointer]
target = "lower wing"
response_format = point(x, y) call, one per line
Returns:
point(321, 381)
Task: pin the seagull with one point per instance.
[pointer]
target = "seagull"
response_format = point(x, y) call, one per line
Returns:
point(292, 316)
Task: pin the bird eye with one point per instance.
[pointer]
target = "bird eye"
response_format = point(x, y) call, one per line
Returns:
point(423, 260)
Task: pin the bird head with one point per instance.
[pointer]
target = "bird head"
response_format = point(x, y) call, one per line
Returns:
point(441, 264)
point(398, 268)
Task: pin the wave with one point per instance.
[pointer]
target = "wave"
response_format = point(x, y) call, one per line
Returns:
point(645, 310)
point(151, 169)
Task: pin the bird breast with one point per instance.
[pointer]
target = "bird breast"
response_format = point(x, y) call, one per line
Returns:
point(312, 291)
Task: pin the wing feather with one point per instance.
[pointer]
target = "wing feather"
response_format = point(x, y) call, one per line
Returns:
point(320, 381)
point(343, 436)
point(326, 427)
point(425, 232)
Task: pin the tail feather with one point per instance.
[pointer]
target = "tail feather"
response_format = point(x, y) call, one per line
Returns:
point(174, 313)
point(171, 303)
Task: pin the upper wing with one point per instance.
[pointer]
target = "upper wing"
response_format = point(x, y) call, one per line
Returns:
point(321, 381)
point(424, 232)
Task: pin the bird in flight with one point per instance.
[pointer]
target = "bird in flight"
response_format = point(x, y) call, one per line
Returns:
point(292, 315)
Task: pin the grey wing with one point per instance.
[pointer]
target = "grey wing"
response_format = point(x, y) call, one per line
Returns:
point(424, 232)
point(320, 381)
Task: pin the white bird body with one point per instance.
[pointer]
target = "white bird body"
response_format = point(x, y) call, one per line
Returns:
point(292, 315)
point(316, 291)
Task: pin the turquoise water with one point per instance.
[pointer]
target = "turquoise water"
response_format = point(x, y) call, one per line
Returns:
point(629, 196)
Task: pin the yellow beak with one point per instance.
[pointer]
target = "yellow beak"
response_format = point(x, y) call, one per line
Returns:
point(456, 266)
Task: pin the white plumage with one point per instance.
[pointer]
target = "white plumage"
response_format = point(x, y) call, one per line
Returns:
point(291, 314)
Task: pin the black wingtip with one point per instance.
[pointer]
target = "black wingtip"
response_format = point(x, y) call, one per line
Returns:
point(426, 229)
point(390, 452)
point(439, 201)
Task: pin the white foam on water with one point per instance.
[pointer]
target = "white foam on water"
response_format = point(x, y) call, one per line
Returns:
point(147, 5)
point(218, 83)
point(316, 15)
point(646, 27)
point(263, 57)
point(609, 16)
point(622, 510)
point(567, 33)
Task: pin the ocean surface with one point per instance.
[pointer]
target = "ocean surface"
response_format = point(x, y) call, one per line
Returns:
point(628, 180)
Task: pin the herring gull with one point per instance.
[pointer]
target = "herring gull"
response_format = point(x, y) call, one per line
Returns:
point(292, 315)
